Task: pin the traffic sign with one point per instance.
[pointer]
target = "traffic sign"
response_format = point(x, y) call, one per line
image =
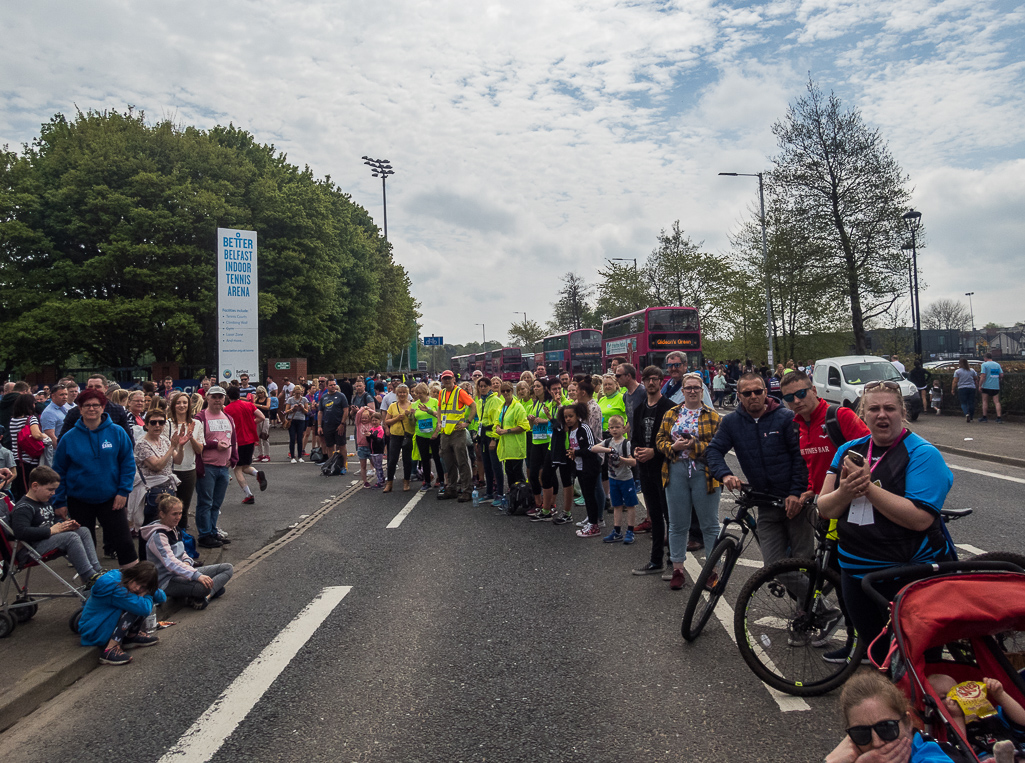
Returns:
point(433, 341)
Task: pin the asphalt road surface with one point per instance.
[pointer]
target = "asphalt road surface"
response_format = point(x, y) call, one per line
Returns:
point(458, 635)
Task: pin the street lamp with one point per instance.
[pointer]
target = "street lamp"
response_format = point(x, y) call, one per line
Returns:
point(623, 259)
point(971, 310)
point(487, 365)
point(382, 169)
point(520, 312)
point(914, 222)
point(765, 257)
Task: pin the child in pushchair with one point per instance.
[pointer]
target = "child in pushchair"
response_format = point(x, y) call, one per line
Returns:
point(954, 639)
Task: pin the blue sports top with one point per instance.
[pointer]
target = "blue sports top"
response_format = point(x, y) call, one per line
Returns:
point(910, 467)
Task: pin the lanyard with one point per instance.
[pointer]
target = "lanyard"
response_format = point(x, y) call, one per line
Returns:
point(871, 466)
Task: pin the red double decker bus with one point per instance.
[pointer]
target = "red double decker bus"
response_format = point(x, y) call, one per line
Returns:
point(577, 351)
point(506, 363)
point(645, 338)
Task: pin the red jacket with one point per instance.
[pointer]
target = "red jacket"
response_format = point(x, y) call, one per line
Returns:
point(816, 447)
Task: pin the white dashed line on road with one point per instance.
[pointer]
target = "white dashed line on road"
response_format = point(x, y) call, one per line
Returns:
point(974, 550)
point(206, 736)
point(994, 475)
point(405, 512)
point(724, 613)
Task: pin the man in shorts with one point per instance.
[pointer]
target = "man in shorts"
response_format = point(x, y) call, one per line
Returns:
point(992, 373)
point(246, 417)
point(333, 410)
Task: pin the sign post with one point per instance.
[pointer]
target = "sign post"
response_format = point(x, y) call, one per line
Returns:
point(238, 344)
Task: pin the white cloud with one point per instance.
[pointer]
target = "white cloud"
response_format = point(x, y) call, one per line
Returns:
point(534, 138)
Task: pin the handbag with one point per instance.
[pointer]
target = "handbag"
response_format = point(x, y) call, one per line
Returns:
point(29, 446)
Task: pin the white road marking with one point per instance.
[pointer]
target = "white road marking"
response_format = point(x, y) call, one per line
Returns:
point(206, 736)
point(405, 512)
point(724, 612)
point(974, 550)
point(994, 475)
point(749, 563)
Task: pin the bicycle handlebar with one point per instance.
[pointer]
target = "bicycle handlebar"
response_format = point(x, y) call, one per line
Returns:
point(921, 571)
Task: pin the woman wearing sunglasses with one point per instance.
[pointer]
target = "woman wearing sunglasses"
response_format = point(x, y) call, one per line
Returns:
point(878, 721)
point(886, 490)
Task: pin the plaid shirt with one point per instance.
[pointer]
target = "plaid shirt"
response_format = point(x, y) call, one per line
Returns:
point(708, 422)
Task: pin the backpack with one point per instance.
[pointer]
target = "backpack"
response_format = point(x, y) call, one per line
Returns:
point(317, 455)
point(333, 466)
point(29, 446)
point(521, 498)
point(831, 426)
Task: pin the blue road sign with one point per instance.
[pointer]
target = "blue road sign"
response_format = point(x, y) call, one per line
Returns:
point(433, 341)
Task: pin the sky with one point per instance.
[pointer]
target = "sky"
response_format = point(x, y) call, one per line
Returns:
point(532, 138)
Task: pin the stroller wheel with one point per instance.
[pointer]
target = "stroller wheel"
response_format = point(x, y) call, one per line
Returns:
point(73, 622)
point(24, 614)
point(7, 624)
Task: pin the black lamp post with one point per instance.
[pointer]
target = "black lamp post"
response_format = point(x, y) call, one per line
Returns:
point(914, 222)
point(382, 169)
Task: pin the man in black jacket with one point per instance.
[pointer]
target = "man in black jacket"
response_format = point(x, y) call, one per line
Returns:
point(117, 414)
point(646, 421)
point(761, 432)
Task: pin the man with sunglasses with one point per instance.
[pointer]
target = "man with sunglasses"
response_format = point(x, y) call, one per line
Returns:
point(761, 434)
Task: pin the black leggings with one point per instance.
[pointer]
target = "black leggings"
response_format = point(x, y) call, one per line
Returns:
point(429, 448)
point(514, 470)
point(404, 445)
point(489, 471)
point(542, 471)
point(129, 624)
point(116, 534)
point(589, 486)
point(867, 618)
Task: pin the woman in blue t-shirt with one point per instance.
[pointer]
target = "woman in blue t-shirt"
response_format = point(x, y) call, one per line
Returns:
point(887, 507)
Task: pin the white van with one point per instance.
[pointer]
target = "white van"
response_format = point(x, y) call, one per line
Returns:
point(841, 380)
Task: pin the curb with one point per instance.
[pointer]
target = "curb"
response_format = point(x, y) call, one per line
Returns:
point(992, 457)
point(49, 680)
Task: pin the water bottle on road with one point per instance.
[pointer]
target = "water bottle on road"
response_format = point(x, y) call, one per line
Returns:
point(476, 498)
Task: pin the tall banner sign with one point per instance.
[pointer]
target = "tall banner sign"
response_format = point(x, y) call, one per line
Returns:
point(238, 348)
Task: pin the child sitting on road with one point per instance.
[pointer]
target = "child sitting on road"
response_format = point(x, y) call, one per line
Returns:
point(114, 615)
point(984, 733)
point(622, 491)
point(936, 396)
point(376, 440)
point(36, 522)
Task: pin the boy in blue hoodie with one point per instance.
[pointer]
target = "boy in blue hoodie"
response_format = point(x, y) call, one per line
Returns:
point(116, 611)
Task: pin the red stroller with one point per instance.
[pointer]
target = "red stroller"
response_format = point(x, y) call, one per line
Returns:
point(967, 622)
point(17, 560)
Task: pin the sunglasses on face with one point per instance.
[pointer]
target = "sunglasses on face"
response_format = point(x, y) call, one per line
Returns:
point(800, 394)
point(749, 392)
point(692, 389)
point(158, 422)
point(673, 365)
point(886, 730)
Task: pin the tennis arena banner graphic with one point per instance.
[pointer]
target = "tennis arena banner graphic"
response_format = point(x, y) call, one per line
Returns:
point(238, 346)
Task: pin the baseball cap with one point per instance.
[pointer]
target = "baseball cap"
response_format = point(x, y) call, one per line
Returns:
point(447, 374)
point(216, 391)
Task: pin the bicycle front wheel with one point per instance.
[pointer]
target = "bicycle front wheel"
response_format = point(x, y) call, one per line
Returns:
point(793, 631)
point(703, 597)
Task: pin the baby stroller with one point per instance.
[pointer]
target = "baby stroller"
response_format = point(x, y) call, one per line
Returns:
point(966, 621)
point(17, 560)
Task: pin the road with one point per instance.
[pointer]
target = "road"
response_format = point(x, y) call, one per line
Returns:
point(459, 635)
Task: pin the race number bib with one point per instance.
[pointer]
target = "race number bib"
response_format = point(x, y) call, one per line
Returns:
point(425, 426)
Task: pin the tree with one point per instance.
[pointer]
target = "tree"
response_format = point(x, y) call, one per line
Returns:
point(525, 334)
point(838, 175)
point(571, 310)
point(622, 290)
point(107, 229)
point(946, 314)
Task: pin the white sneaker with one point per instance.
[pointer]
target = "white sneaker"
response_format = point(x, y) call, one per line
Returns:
point(293, 460)
point(301, 461)
point(582, 523)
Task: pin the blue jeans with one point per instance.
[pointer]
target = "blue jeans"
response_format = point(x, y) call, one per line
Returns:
point(295, 437)
point(210, 490)
point(966, 395)
point(685, 494)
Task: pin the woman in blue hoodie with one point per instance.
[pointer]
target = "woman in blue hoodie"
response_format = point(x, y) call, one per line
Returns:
point(117, 609)
point(96, 465)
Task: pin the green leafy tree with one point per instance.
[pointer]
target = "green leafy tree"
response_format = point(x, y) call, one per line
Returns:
point(838, 175)
point(526, 333)
point(572, 309)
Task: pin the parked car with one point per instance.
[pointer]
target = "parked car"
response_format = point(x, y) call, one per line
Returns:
point(841, 380)
point(949, 366)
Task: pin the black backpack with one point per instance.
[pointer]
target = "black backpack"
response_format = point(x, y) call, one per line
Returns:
point(521, 498)
point(333, 466)
point(830, 427)
point(317, 455)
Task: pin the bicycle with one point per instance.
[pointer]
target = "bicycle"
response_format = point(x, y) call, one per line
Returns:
point(790, 613)
point(729, 399)
point(715, 574)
